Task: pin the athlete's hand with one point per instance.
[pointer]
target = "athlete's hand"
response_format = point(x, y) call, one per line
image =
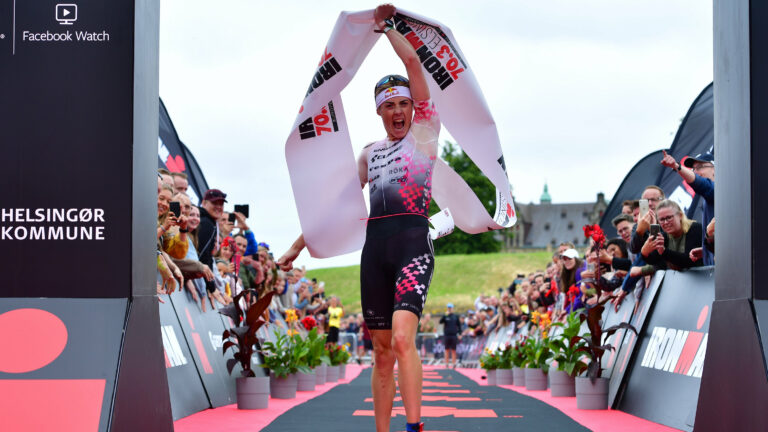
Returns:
point(286, 261)
point(383, 12)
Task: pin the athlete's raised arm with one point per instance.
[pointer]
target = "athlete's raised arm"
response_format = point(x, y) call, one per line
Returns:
point(404, 50)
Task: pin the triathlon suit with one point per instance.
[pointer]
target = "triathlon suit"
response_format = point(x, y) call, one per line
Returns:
point(397, 260)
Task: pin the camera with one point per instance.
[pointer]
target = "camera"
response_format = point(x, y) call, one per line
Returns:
point(232, 217)
point(644, 208)
point(242, 208)
point(655, 229)
point(175, 208)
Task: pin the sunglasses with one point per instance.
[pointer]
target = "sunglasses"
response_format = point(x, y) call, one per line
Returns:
point(391, 79)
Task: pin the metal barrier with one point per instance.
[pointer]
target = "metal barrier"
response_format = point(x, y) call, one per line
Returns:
point(425, 344)
point(351, 338)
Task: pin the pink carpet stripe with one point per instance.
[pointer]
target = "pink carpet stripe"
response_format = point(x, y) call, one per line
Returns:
point(229, 418)
point(596, 420)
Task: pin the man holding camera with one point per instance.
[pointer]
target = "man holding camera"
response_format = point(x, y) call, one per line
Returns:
point(699, 173)
point(211, 210)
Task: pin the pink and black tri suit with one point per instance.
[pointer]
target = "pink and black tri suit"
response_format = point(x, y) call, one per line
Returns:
point(398, 259)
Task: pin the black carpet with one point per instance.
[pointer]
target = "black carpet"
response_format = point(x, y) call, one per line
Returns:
point(344, 408)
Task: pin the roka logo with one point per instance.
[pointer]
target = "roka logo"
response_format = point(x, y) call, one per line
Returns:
point(677, 351)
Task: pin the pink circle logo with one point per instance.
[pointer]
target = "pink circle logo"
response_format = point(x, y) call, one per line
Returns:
point(31, 339)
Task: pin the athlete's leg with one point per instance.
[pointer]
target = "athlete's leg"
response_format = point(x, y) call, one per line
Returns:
point(404, 325)
point(382, 379)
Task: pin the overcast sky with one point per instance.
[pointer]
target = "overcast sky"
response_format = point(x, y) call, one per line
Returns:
point(580, 91)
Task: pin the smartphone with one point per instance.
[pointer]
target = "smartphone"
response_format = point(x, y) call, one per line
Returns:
point(175, 208)
point(655, 229)
point(643, 207)
point(232, 217)
point(242, 208)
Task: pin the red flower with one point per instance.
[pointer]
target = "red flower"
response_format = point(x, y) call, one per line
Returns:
point(309, 322)
point(597, 234)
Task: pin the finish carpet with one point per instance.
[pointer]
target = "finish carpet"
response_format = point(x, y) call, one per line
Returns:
point(451, 402)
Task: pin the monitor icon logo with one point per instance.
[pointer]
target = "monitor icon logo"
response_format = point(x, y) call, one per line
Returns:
point(66, 13)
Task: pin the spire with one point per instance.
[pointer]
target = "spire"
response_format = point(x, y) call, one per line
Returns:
point(545, 198)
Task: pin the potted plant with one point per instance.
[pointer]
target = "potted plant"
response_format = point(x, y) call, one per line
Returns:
point(537, 353)
point(566, 348)
point(489, 361)
point(252, 390)
point(518, 357)
point(283, 358)
point(305, 376)
point(592, 390)
point(317, 359)
point(306, 381)
point(344, 357)
point(337, 356)
point(504, 375)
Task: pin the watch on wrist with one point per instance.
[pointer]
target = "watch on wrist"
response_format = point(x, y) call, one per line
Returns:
point(387, 25)
point(678, 168)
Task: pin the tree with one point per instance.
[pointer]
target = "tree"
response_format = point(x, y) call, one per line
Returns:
point(460, 242)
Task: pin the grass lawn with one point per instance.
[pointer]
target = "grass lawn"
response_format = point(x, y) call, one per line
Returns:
point(458, 279)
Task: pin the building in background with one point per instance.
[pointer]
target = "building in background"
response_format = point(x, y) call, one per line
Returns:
point(546, 225)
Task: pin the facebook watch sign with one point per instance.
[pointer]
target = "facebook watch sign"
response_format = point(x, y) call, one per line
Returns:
point(69, 23)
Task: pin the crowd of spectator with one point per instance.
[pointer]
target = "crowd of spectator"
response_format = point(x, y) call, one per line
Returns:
point(653, 234)
point(213, 255)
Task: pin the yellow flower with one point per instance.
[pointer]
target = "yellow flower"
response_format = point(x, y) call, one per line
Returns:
point(291, 316)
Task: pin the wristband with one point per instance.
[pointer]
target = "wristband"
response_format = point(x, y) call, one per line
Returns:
point(388, 25)
point(678, 167)
point(183, 230)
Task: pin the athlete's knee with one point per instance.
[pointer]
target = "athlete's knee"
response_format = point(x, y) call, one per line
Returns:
point(384, 358)
point(403, 342)
point(382, 350)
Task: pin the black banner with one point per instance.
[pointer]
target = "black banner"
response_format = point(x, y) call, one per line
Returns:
point(176, 157)
point(624, 341)
point(188, 395)
point(665, 375)
point(67, 139)
point(202, 332)
point(62, 353)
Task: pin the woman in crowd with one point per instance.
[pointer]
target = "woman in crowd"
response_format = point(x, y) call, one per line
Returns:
point(397, 236)
point(570, 278)
point(673, 245)
point(168, 271)
point(171, 228)
point(197, 284)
